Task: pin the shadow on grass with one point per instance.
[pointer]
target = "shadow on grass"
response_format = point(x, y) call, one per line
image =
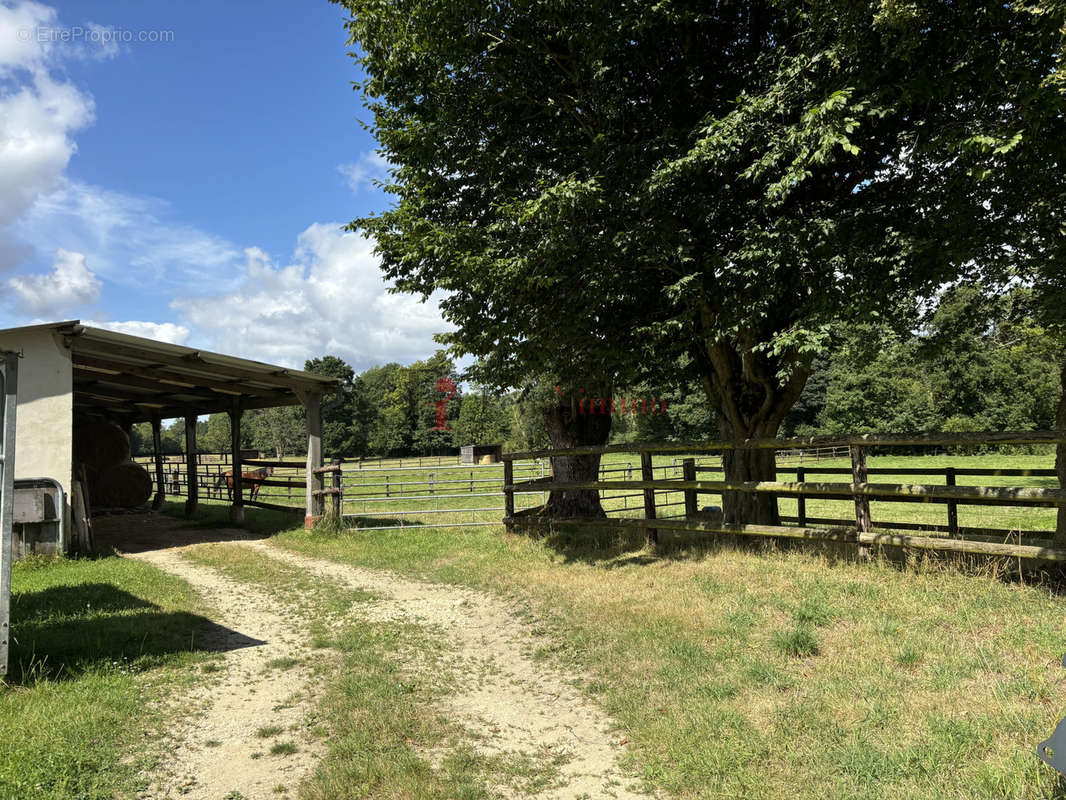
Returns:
point(215, 514)
point(614, 548)
point(605, 547)
point(65, 631)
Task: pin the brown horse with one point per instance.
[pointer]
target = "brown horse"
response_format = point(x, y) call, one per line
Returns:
point(252, 480)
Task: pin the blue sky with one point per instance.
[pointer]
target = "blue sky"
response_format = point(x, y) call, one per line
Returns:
point(182, 170)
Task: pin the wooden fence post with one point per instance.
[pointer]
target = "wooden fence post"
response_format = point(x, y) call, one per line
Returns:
point(862, 503)
point(508, 495)
point(192, 462)
point(801, 501)
point(236, 509)
point(647, 473)
point(157, 447)
point(689, 473)
point(953, 507)
point(338, 489)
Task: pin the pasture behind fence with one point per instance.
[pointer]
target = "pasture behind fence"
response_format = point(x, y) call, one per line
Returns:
point(374, 494)
point(670, 490)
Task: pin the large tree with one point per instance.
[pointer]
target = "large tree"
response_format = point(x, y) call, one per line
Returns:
point(607, 188)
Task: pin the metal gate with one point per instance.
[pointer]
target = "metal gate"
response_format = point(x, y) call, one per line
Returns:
point(8, 395)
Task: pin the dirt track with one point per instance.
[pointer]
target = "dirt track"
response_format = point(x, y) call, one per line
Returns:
point(511, 702)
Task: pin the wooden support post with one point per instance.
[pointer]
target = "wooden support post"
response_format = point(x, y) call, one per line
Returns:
point(801, 501)
point(157, 447)
point(689, 474)
point(862, 503)
point(953, 507)
point(192, 460)
point(508, 495)
point(648, 474)
point(338, 489)
point(236, 509)
point(1060, 461)
point(313, 406)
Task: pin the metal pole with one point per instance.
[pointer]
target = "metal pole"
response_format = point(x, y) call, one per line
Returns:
point(8, 409)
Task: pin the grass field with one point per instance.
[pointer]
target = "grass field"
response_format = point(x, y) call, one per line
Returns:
point(744, 674)
point(733, 672)
point(94, 644)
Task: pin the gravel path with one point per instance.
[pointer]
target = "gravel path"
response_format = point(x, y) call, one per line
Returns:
point(511, 702)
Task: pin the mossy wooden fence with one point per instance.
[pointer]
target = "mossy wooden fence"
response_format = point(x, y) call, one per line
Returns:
point(860, 530)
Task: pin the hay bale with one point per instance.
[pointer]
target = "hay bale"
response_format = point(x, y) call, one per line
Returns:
point(99, 445)
point(121, 486)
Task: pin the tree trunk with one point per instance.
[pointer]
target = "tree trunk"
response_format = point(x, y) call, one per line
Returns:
point(750, 465)
point(751, 398)
point(1060, 462)
point(568, 427)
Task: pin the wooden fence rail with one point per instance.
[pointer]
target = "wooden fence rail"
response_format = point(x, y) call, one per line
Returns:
point(861, 530)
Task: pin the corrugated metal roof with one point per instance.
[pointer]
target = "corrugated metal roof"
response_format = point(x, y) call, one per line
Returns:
point(137, 378)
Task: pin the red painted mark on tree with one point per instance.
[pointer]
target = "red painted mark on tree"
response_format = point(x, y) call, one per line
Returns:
point(617, 405)
point(447, 386)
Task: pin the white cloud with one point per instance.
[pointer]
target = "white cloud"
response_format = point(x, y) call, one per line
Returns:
point(362, 174)
point(331, 300)
point(20, 47)
point(160, 331)
point(39, 113)
point(129, 239)
point(70, 284)
point(32, 39)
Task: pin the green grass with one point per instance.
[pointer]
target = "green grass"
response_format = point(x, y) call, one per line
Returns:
point(94, 642)
point(796, 642)
point(736, 673)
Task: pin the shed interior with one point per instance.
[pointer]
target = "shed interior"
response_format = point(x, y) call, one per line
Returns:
point(124, 379)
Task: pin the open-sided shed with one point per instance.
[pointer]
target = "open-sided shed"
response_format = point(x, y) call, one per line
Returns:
point(71, 372)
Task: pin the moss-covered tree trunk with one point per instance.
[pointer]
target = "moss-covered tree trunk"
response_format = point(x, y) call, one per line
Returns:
point(568, 427)
point(752, 399)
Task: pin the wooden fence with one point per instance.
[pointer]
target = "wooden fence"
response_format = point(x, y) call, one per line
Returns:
point(860, 529)
point(285, 490)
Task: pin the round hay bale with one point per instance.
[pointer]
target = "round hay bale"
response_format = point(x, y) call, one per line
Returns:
point(121, 486)
point(100, 445)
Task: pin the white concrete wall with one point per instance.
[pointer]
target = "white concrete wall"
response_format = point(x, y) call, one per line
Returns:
point(44, 425)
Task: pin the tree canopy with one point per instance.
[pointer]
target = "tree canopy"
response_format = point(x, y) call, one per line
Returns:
point(603, 187)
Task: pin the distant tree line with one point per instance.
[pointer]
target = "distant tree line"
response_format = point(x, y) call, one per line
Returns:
point(980, 361)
